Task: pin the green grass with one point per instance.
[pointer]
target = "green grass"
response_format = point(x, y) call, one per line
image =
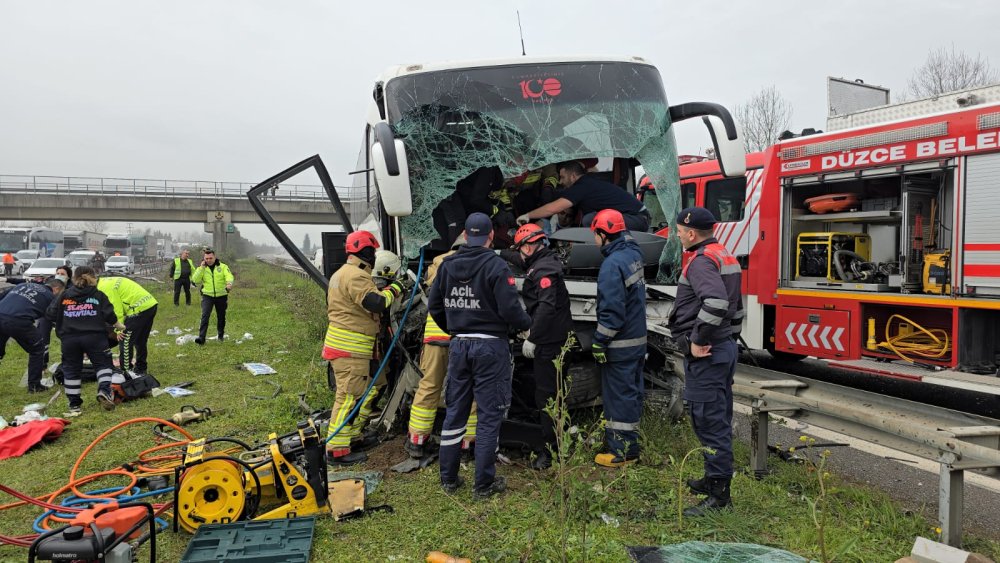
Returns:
point(286, 314)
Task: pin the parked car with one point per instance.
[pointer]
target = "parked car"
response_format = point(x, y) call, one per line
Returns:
point(24, 259)
point(43, 268)
point(119, 265)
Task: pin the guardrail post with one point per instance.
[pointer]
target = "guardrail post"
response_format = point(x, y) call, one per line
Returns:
point(951, 500)
point(758, 439)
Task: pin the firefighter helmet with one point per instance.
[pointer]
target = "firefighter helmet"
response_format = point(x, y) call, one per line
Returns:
point(358, 241)
point(609, 221)
point(527, 234)
point(387, 265)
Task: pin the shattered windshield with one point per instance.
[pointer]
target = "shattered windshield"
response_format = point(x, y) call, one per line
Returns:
point(517, 118)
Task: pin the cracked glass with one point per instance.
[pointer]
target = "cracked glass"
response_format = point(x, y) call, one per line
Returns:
point(523, 117)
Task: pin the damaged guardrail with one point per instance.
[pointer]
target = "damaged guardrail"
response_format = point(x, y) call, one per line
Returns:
point(957, 441)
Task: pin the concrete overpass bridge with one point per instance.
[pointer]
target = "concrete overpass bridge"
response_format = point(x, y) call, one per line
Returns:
point(27, 198)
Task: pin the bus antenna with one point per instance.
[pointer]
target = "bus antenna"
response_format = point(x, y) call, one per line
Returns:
point(521, 32)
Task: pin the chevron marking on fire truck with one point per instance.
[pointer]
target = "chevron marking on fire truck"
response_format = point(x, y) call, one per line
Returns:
point(806, 336)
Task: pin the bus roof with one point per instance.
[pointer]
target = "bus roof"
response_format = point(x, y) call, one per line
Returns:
point(416, 68)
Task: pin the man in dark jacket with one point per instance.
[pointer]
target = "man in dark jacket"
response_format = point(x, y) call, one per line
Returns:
point(547, 301)
point(19, 310)
point(707, 313)
point(83, 316)
point(474, 300)
point(620, 339)
point(180, 271)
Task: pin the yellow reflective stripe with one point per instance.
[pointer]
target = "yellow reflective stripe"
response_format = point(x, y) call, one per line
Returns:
point(422, 420)
point(350, 335)
point(343, 438)
point(348, 341)
point(470, 428)
point(433, 331)
point(388, 298)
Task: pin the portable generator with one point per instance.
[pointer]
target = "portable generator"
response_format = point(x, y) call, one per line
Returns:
point(815, 253)
point(937, 272)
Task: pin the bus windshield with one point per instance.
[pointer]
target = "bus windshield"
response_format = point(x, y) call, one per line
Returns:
point(12, 240)
point(520, 117)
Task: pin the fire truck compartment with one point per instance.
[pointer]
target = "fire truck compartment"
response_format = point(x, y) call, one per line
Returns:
point(879, 244)
point(824, 333)
point(918, 334)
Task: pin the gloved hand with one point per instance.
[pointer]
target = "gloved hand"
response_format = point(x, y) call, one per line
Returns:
point(523, 219)
point(599, 352)
point(528, 349)
point(395, 288)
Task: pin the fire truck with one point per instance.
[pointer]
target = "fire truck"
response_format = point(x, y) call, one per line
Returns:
point(876, 248)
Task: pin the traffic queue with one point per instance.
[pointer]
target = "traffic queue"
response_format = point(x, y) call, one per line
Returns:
point(474, 309)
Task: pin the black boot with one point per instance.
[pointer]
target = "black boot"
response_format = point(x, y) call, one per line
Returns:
point(718, 498)
point(699, 486)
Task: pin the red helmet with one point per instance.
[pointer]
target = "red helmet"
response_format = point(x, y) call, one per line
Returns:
point(646, 183)
point(608, 221)
point(358, 241)
point(528, 233)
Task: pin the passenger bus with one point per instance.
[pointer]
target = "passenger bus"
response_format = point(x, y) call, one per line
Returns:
point(48, 242)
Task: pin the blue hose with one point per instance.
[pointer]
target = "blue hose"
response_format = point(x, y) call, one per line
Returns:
point(388, 354)
point(74, 500)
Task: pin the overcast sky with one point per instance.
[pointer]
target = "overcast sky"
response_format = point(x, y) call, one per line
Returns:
point(236, 91)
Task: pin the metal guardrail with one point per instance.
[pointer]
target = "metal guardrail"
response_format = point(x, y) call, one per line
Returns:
point(957, 441)
point(47, 185)
point(288, 266)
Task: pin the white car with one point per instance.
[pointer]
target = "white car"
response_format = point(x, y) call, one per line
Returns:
point(24, 259)
point(119, 265)
point(79, 258)
point(43, 268)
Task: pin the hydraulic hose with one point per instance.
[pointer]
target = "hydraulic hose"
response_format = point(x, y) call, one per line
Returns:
point(930, 344)
point(387, 355)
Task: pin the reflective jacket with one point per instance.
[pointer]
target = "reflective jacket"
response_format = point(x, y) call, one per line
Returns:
point(545, 296)
point(432, 332)
point(213, 279)
point(353, 307)
point(474, 293)
point(128, 297)
point(708, 307)
point(177, 268)
point(621, 301)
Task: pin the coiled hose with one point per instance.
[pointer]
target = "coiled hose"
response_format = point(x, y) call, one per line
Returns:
point(927, 344)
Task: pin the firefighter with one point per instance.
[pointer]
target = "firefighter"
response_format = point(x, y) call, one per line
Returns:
point(547, 300)
point(19, 309)
point(619, 344)
point(707, 315)
point(433, 367)
point(474, 300)
point(354, 308)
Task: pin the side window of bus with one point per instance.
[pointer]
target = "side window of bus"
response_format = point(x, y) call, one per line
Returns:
point(724, 198)
point(688, 192)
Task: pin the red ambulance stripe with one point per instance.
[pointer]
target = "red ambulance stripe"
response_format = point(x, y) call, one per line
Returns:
point(983, 270)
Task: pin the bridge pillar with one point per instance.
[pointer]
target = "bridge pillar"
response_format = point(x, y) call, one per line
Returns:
point(219, 237)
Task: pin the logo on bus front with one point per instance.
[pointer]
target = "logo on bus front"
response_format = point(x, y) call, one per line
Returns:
point(540, 89)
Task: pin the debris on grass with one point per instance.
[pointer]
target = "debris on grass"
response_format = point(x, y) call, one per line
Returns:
point(258, 368)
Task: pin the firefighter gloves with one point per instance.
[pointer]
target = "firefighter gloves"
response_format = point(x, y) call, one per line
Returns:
point(528, 349)
point(599, 352)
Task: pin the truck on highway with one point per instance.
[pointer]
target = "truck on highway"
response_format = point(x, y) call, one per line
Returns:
point(83, 240)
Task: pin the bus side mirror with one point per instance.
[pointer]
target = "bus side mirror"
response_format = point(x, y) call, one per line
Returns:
point(392, 173)
point(729, 152)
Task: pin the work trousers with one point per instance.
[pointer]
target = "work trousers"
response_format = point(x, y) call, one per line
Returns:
point(545, 388)
point(220, 304)
point(434, 367)
point(185, 284)
point(8, 269)
point(353, 376)
point(28, 337)
point(95, 346)
point(479, 368)
point(621, 390)
point(708, 390)
point(133, 350)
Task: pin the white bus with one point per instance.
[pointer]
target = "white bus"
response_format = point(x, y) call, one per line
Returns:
point(48, 242)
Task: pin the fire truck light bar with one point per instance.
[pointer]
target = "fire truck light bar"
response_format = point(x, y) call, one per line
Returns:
point(989, 121)
point(871, 140)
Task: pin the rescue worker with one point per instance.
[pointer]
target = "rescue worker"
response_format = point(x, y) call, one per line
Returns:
point(547, 300)
point(354, 307)
point(135, 308)
point(619, 344)
point(434, 368)
point(589, 195)
point(707, 314)
point(8, 264)
point(216, 282)
point(474, 300)
point(180, 271)
point(19, 309)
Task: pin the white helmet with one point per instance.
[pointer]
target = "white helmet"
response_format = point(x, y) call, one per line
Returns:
point(387, 265)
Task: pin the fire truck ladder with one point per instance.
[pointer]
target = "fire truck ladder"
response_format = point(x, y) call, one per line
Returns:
point(957, 441)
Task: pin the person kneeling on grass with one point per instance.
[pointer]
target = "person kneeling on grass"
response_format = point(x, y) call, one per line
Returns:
point(82, 316)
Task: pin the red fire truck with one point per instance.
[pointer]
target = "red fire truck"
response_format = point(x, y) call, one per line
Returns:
point(875, 248)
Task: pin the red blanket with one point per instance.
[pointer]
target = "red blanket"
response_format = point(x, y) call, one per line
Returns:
point(16, 440)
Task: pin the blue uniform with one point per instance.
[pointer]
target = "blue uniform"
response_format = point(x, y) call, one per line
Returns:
point(474, 300)
point(621, 329)
point(19, 309)
point(709, 311)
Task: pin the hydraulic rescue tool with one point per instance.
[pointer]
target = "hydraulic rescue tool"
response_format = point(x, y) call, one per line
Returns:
point(190, 413)
point(288, 475)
